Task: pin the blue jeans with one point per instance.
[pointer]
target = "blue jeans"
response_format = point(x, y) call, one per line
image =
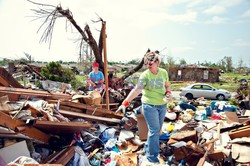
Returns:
point(154, 116)
point(185, 106)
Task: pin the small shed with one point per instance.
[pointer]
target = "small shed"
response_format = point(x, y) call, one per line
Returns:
point(194, 73)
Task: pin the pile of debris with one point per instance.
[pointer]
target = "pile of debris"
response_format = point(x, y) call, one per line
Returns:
point(39, 126)
point(203, 132)
point(45, 127)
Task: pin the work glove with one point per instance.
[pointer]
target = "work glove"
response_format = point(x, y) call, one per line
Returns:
point(168, 92)
point(122, 108)
point(168, 96)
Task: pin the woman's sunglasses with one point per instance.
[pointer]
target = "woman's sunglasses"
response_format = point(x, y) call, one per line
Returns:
point(151, 59)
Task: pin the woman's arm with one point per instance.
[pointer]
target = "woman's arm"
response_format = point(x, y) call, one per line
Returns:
point(167, 86)
point(133, 94)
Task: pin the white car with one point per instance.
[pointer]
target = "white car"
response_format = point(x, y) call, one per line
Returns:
point(204, 90)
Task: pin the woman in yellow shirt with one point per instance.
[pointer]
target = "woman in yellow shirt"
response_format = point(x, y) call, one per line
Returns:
point(154, 85)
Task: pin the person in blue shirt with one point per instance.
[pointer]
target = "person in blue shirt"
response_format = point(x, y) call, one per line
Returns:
point(95, 78)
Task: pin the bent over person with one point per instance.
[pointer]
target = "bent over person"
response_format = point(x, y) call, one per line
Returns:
point(154, 86)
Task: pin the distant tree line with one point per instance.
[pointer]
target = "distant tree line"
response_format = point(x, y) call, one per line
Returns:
point(226, 63)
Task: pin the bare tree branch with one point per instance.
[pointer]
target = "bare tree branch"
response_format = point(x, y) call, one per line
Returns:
point(100, 44)
point(51, 13)
point(41, 4)
point(132, 71)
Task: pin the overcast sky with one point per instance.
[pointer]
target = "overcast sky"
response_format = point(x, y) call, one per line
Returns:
point(196, 30)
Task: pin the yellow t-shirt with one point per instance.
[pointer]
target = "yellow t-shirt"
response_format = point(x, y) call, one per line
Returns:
point(153, 86)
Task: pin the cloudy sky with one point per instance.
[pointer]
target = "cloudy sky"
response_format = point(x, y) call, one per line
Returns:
point(196, 30)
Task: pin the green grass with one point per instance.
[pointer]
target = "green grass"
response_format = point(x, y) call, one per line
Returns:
point(119, 75)
point(81, 78)
point(233, 77)
point(236, 75)
point(175, 86)
point(227, 86)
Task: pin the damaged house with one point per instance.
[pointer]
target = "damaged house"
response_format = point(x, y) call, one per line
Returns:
point(194, 73)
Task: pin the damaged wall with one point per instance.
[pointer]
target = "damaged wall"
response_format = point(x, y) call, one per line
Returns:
point(198, 74)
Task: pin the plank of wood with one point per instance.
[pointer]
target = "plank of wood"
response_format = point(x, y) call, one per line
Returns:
point(8, 133)
point(3, 82)
point(61, 157)
point(214, 139)
point(17, 135)
point(40, 92)
point(67, 108)
point(6, 79)
point(18, 125)
point(204, 158)
point(216, 155)
point(181, 153)
point(24, 93)
point(89, 117)
point(61, 127)
point(34, 112)
point(195, 147)
point(185, 135)
point(32, 68)
point(12, 97)
point(94, 109)
point(245, 132)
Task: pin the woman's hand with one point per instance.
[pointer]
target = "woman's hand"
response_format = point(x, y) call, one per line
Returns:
point(122, 107)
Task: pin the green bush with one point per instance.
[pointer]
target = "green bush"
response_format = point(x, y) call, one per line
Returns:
point(76, 84)
point(235, 79)
point(55, 72)
point(39, 84)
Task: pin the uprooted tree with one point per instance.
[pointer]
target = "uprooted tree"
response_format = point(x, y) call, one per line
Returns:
point(50, 13)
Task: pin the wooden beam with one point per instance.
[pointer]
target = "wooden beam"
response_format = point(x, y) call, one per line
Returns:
point(89, 117)
point(24, 93)
point(9, 133)
point(20, 126)
point(73, 109)
point(240, 132)
point(95, 110)
point(3, 82)
point(61, 127)
point(34, 112)
point(216, 155)
point(61, 157)
point(203, 159)
point(6, 79)
point(195, 147)
point(15, 135)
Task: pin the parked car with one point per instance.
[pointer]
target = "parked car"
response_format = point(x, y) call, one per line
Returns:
point(204, 90)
